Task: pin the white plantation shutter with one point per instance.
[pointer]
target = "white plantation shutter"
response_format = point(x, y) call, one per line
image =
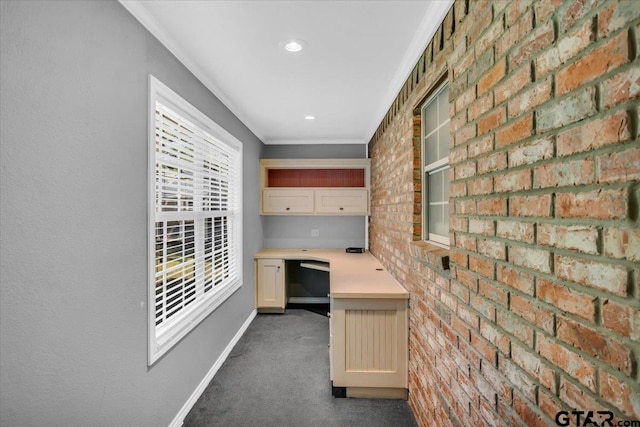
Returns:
point(196, 214)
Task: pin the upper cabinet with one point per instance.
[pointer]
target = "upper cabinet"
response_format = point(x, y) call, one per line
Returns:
point(314, 186)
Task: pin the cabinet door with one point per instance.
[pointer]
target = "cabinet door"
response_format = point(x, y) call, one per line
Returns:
point(370, 343)
point(270, 287)
point(353, 201)
point(287, 201)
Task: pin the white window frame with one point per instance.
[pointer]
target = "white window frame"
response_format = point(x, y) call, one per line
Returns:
point(429, 167)
point(170, 331)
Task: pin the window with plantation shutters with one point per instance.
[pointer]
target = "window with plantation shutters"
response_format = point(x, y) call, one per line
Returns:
point(195, 217)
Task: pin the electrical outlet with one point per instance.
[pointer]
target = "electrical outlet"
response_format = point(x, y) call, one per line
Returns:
point(315, 232)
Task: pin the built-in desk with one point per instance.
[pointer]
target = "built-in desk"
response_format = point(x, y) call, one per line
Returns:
point(368, 321)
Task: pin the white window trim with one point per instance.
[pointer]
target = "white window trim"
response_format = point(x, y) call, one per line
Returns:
point(427, 169)
point(161, 340)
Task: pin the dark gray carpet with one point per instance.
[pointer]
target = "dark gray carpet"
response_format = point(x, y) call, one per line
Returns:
point(278, 375)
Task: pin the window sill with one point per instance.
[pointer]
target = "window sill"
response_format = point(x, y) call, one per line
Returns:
point(434, 255)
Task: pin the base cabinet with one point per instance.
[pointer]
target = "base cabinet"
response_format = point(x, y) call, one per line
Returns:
point(270, 285)
point(369, 347)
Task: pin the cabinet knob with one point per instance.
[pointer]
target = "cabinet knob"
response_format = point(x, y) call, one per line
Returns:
point(287, 209)
point(341, 209)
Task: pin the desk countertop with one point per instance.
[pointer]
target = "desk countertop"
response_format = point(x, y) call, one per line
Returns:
point(350, 275)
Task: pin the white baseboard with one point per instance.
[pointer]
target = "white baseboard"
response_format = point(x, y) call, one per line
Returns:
point(179, 418)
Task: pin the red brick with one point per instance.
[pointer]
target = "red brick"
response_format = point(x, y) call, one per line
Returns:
point(570, 362)
point(464, 134)
point(513, 181)
point(573, 396)
point(494, 75)
point(457, 189)
point(594, 134)
point(516, 376)
point(566, 48)
point(545, 8)
point(573, 11)
point(464, 170)
point(495, 337)
point(518, 31)
point(548, 403)
point(623, 319)
point(513, 84)
point(481, 146)
point(520, 280)
point(530, 206)
point(493, 162)
point(561, 112)
point(623, 166)
point(492, 120)
point(607, 277)
point(483, 347)
point(615, 16)
point(493, 292)
point(595, 204)
point(620, 88)
point(574, 237)
point(532, 312)
point(625, 395)
point(565, 173)
point(568, 300)
point(515, 230)
point(613, 352)
point(535, 259)
point(514, 132)
point(482, 266)
point(482, 226)
point(493, 206)
point(531, 152)
point(622, 243)
point(516, 327)
point(484, 307)
point(480, 186)
point(607, 57)
point(481, 106)
point(541, 37)
point(492, 248)
point(530, 98)
point(527, 413)
point(533, 365)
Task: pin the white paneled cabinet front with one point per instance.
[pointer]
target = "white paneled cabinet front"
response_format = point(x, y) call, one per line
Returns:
point(270, 285)
point(342, 201)
point(287, 201)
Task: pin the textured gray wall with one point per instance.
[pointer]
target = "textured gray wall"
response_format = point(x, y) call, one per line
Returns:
point(295, 231)
point(73, 221)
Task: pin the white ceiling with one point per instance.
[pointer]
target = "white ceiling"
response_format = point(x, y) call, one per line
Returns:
point(357, 56)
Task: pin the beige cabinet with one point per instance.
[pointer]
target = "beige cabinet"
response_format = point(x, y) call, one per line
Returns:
point(314, 186)
point(369, 347)
point(287, 201)
point(270, 285)
point(342, 201)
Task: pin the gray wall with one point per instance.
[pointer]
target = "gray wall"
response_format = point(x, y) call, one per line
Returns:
point(295, 231)
point(73, 221)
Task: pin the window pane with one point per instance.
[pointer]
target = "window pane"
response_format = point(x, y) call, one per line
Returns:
point(436, 220)
point(443, 105)
point(436, 187)
point(443, 141)
point(430, 115)
point(431, 149)
point(445, 182)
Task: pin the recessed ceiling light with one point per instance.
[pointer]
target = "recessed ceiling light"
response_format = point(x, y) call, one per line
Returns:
point(309, 117)
point(293, 45)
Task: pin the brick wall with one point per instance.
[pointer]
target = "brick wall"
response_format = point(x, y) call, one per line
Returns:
point(540, 309)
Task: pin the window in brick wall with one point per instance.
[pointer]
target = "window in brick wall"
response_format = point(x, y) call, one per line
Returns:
point(435, 167)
